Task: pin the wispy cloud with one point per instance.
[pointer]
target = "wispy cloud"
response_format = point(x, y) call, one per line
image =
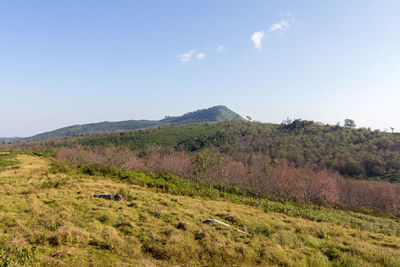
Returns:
point(186, 57)
point(286, 21)
point(201, 56)
point(279, 26)
point(282, 25)
point(221, 48)
point(256, 38)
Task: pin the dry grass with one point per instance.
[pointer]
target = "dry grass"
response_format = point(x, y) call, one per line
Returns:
point(27, 166)
point(57, 214)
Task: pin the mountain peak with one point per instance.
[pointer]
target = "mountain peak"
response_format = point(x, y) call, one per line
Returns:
point(213, 114)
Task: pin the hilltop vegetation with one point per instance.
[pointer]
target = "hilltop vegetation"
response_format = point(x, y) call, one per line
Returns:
point(357, 153)
point(49, 217)
point(213, 114)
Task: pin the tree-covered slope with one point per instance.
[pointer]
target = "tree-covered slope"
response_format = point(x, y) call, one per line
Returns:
point(213, 114)
point(359, 153)
point(92, 128)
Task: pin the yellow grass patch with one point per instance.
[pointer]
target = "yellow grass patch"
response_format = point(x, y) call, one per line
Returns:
point(58, 214)
point(27, 165)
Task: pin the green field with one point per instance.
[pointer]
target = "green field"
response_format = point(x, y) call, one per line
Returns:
point(49, 217)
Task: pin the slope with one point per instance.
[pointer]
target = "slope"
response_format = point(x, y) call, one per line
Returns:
point(358, 153)
point(213, 114)
point(49, 217)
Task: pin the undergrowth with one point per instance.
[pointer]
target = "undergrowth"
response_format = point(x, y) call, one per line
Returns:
point(167, 182)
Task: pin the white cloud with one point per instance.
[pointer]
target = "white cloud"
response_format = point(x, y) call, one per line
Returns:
point(186, 57)
point(256, 38)
point(279, 26)
point(285, 23)
point(201, 56)
point(221, 48)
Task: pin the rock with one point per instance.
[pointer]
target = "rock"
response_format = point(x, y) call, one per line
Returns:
point(109, 196)
point(224, 224)
point(217, 222)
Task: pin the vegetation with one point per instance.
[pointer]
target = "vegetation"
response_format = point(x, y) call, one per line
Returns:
point(299, 161)
point(7, 159)
point(49, 217)
point(213, 114)
point(357, 153)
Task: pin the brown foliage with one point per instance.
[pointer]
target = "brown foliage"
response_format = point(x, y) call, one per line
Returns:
point(277, 180)
point(377, 196)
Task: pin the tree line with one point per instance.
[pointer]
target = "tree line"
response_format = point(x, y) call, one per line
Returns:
point(298, 160)
point(357, 153)
point(276, 179)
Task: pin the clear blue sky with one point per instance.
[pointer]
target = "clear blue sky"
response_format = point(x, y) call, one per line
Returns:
point(69, 62)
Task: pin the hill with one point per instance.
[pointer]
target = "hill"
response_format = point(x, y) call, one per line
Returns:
point(213, 114)
point(357, 153)
point(301, 161)
point(50, 217)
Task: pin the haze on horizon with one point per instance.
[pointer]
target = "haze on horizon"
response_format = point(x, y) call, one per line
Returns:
point(64, 63)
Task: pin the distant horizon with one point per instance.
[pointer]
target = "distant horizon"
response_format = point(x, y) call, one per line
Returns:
point(65, 63)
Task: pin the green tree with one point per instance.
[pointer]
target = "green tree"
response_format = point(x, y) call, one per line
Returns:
point(349, 123)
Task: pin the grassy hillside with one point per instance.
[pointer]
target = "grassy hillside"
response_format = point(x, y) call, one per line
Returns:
point(48, 216)
point(213, 114)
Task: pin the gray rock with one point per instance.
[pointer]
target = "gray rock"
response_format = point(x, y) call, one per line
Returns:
point(109, 196)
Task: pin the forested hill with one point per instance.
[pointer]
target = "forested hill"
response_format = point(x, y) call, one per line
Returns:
point(358, 153)
point(213, 114)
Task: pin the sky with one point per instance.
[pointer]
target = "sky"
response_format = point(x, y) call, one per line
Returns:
point(73, 62)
